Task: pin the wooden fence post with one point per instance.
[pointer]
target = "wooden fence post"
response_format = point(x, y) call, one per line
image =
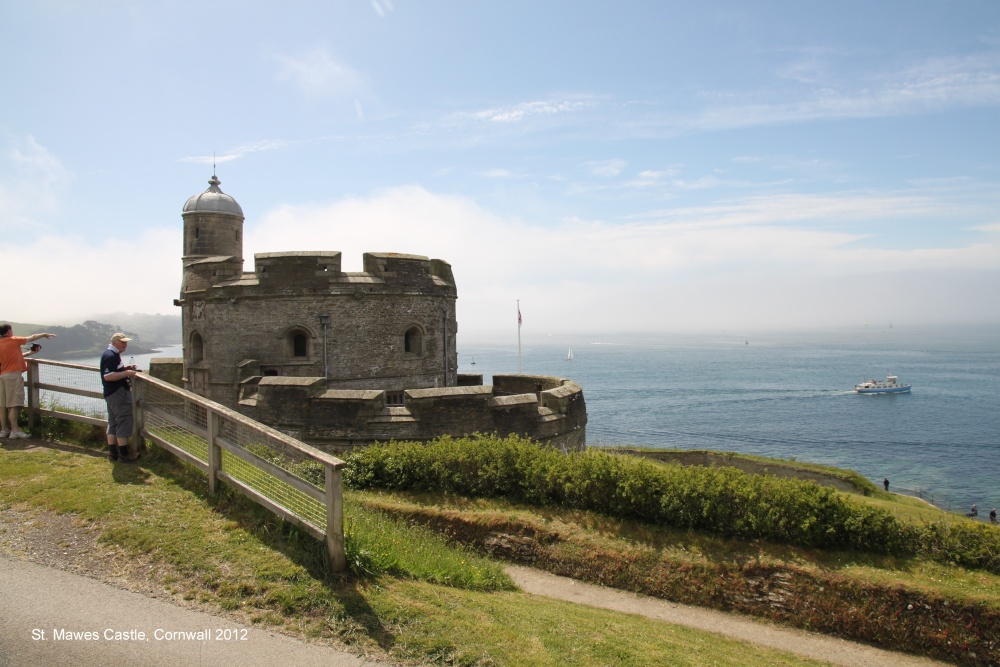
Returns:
point(34, 395)
point(335, 518)
point(138, 413)
point(214, 451)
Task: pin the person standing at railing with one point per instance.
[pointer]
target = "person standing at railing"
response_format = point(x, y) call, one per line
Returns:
point(12, 367)
point(117, 380)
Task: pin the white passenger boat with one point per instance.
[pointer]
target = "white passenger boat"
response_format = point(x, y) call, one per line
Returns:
point(890, 385)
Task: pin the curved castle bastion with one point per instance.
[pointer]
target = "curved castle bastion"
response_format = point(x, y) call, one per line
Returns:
point(550, 410)
point(340, 359)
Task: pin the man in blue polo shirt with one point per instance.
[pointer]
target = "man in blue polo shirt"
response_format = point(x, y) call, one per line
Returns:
point(117, 380)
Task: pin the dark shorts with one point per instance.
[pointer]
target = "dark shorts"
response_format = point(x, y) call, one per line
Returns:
point(120, 413)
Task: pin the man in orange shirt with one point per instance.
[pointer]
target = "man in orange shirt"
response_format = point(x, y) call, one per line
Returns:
point(11, 380)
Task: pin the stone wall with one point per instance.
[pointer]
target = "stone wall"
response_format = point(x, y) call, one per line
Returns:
point(337, 420)
point(390, 328)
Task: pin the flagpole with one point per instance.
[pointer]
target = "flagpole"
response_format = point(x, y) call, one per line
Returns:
point(518, 335)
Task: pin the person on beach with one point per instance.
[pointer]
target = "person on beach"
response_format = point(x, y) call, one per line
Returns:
point(993, 515)
point(885, 483)
point(12, 367)
point(974, 513)
point(117, 380)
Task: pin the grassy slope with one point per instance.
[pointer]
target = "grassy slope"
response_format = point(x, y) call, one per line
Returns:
point(580, 531)
point(227, 554)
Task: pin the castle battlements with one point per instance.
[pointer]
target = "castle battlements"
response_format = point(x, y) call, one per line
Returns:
point(277, 273)
point(339, 419)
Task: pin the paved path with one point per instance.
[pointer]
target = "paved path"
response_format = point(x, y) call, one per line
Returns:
point(36, 602)
point(799, 642)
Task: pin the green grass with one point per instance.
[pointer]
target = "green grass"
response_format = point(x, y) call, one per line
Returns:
point(378, 544)
point(911, 604)
point(582, 531)
point(906, 508)
point(225, 552)
point(754, 463)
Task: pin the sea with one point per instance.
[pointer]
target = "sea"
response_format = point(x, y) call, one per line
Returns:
point(789, 395)
point(786, 395)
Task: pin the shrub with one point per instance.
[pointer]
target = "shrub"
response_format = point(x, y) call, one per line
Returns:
point(967, 543)
point(724, 501)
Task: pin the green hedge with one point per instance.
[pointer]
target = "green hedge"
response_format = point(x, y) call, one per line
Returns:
point(723, 501)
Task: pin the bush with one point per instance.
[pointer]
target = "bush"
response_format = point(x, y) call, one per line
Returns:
point(967, 543)
point(724, 501)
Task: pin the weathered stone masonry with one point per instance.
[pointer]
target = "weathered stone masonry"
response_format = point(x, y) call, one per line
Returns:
point(340, 359)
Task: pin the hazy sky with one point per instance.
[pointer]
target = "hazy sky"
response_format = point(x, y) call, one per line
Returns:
point(616, 166)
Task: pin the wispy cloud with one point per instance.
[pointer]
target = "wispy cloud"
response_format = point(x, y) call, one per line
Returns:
point(526, 110)
point(238, 152)
point(318, 73)
point(931, 85)
point(31, 180)
point(499, 173)
point(606, 168)
point(779, 209)
point(382, 7)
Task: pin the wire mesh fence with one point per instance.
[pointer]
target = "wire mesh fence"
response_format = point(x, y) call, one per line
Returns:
point(70, 389)
point(291, 460)
point(292, 479)
point(185, 424)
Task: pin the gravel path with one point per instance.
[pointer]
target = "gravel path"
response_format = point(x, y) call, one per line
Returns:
point(799, 642)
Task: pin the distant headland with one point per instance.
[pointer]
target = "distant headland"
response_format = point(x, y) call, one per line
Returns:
point(90, 338)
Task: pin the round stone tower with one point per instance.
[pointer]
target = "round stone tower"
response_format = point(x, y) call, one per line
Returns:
point(213, 225)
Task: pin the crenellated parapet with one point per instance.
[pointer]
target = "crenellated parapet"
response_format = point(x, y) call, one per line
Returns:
point(337, 420)
point(290, 273)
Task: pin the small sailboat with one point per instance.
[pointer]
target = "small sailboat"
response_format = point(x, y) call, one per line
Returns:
point(473, 362)
point(569, 355)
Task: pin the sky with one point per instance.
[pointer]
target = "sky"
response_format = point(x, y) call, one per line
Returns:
point(612, 166)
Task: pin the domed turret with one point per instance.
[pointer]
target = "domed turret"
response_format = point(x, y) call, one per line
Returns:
point(213, 224)
point(213, 200)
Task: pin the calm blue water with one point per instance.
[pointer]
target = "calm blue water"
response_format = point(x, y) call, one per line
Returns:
point(788, 395)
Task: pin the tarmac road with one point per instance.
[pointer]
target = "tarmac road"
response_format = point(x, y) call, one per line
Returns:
point(37, 603)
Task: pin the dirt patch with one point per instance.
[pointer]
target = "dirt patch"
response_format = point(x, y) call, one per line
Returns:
point(64, 542)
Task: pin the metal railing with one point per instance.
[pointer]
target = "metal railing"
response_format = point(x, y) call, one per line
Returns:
point(299, 483)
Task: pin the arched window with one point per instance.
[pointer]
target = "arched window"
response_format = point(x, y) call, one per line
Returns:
point(197, 348)
point(413, 341)
point(300, 345)
point(297, 342)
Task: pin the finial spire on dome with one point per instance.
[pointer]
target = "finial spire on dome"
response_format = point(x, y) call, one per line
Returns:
point(213, 200)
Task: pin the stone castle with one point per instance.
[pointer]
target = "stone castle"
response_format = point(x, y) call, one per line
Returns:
point(340, 359)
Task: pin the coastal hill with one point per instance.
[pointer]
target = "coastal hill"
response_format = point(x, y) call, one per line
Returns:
point(148, 333)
